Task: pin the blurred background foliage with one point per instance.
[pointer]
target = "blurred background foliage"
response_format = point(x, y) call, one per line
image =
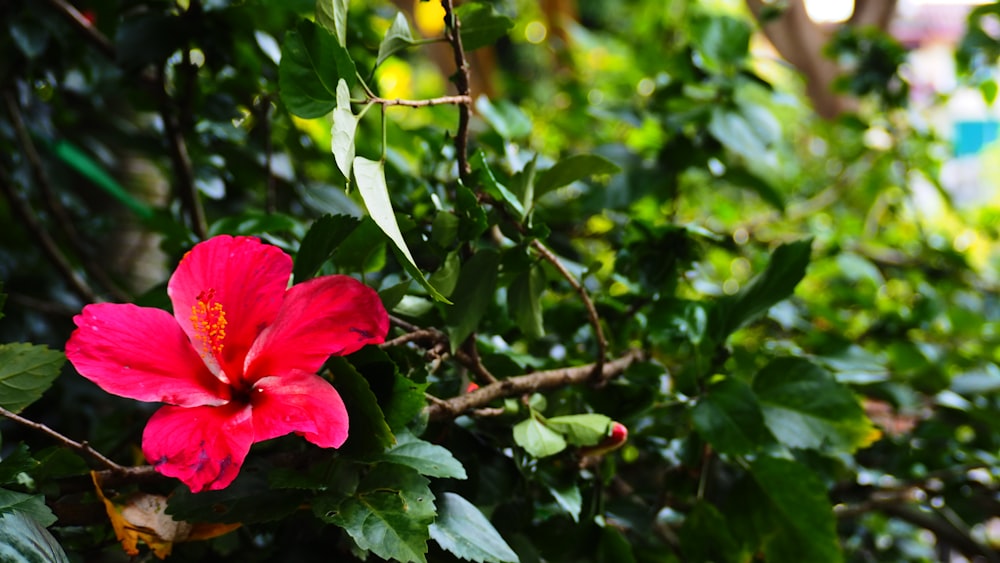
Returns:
point(815, 319)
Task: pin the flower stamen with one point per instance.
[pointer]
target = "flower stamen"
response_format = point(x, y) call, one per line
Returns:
point(209, 321)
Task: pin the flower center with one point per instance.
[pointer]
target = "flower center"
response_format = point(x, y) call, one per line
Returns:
point(209, 321)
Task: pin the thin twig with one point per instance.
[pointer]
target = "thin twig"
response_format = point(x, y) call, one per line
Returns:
point(89, 31)
point(82, 447)
point(528, 383)
point(423, 334)
point(45, 240)
point(595, 320)
point(443, 100)
point(181, 160)
point(454, 35)
point(475, 363)
point(62, 217)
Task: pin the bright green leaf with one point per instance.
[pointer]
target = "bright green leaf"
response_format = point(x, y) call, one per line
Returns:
point(30, 505)
point(729, 417)
point(462, 530)
point(473, 295)
point(481, 25)
point(345, 125)
point(26, 371)
point(506, 118)
point(397, 38)
point(524, 301)
point(581, 429)
point(537, 439)
point(312, 64)
point(571, 169)
point(23, 538)
point(427, 458)
point(805, 407)
point(332, 14)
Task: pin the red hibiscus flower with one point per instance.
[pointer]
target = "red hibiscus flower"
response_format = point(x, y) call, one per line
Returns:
point(236, 363)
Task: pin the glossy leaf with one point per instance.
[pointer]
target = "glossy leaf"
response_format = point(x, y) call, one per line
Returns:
point(427, 458)
point(26, 371)
point(462, 530)
point(729, 417)
point(397, 38)
point(312, 63)
point(805, 407)
point(473, 295)
point(492, 185)
point(571, 169)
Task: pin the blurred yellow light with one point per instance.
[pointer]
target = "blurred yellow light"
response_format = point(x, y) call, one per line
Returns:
point(535, 32)
point(429, 17)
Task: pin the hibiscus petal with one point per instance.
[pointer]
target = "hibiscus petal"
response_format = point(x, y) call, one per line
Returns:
point(225, 291)
point(299, 402)
point(141, 353)
point(330, 315)
point(204, 447)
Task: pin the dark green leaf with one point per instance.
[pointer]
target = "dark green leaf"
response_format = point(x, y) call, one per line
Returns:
point(254, 223)
point(57, 462)
point(481, 25)
point(312, 63)
point(722, 41)
point(32, 506)
point(332, 14)
point(446, 276)
point(568, 497)
point(473, 295)
point(776, 283)
point(369, 432)
point(18, 461)
point(705, 536)
point(462, 530)
point(247, 500)
point(427, 458)
point(614, 547)
point(524, 301)
point(389, 514)
point(730, 419)
point(571, 169)
point(397, 38)
point(492, 185)
point(805, 407)
point(23, 538)
point(538, 439)
point(581, 429)
point(26, 371)
point(320, 242)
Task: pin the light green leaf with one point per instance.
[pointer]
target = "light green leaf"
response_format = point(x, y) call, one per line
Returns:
point(805, 407)
point(473, 295)
point(729, 417)
point(23, 538)
point(26, 371)
point(581, 429)
point(397, 38)
point(737, 134)
point(524, 301)
point(374, 192)
point(481, 25)
point(427, 458)
point(332, 14)
point(506, 118)
point(345, 125)
point(571, 169)
point(568, 497)
point(389, 514)
point(29, 505)
point(537, 439)
point(462, 530)
point(312, 64)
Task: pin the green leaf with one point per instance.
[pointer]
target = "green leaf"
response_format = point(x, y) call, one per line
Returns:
point(581, 429)
point(614, 547)
point(805, 407)
point(29, 505)
point(721, 41)
point(705, 536)
point(389, 514)
point(481, 25)
point(446, 276)
point(538, 439)
point(16, 462)
point(345, 125)
point(369, 432)
point(803, 527)
point(524, 301)
point(374, 192)
point(473, 295)
point(26, 371)
point(506, 118)
point(320, 242)
point(332, 14)
point(312, 64)
point(23, 538)
point(743, 178)
point(397, 38)
point(472, 217)
point(776, 283)
point(737, 134)
point(569, 170)
point(492, 185)
point(462, 530)
point(427, 458)
point(568, 497)
point(729, 417)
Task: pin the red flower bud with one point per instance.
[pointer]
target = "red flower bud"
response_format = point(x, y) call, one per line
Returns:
point(615, 439)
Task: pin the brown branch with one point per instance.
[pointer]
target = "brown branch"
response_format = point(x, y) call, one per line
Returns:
point(473, 361)
point(82, 447)
point(595, 320)
point(454, 35)
point(442, 101)
point(528, 383)
point(877, 13)
point(181, 160)
point(90, 32)
point(45, 240)
point(62, 217)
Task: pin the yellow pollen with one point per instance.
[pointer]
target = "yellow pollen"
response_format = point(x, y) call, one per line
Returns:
point(209, 322)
